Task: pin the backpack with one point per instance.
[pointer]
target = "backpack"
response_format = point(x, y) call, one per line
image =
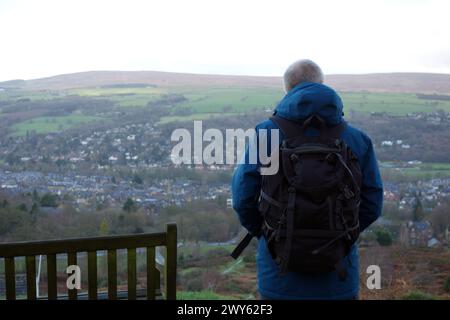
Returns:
point(310, 207)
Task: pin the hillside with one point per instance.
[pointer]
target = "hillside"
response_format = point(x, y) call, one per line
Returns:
point(407, 273)
point(380, 82)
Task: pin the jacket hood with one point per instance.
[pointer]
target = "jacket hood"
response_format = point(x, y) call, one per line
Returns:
point(307, 99)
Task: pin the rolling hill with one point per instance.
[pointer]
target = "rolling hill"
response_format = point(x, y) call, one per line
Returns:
point(377, 82)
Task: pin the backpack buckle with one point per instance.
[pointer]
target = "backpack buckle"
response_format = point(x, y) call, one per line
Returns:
point(348, 193)
point(281, 223)
point(294, 157)
point(331, 158)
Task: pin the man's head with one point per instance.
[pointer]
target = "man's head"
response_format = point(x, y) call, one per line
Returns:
point(302, 71)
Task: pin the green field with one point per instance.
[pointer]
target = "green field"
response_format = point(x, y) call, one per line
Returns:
point(14, 95)
point(429, 169)
point(196, 116)
point(123, 97)
point(230, 99)
point(391, 103)
point(240, 100)
point(51, 124)
point(420, 171)
point(248, 99)
point(205, 102)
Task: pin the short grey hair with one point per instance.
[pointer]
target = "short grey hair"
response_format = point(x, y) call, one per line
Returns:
point(302, 71)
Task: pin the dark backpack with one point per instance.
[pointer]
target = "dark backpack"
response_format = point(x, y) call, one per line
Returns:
point(310, 208)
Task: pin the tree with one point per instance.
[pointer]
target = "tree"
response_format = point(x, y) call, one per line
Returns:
point(22, 207)
point(35, 196)
point(384, 237)
point(447, 284)
point(49, 200)
point(138, 230)
point(104, 227)
point(129, 206)
point(11, 220)
point(440, 219)
point(4, 204)
point(137, 179)
point(417, 214)
point(34, 209)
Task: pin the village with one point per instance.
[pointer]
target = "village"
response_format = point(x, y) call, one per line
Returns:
point(86, 191)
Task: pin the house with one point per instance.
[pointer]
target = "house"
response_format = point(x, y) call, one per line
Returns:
point(390, 196)
point(416, 233)
point(433, 242)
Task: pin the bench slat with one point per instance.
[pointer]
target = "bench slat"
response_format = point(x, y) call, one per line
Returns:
point(72, 260)
point(10, 275)
point(131, 270)
point(151, 274)
point(92, 275)
point(170, 267)
point(51, 277)
point(112, 274)
point(31, 277)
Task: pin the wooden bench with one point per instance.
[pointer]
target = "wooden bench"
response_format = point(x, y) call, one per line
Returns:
point(70, 247)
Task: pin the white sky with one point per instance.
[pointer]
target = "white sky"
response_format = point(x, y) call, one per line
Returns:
point(48, 37)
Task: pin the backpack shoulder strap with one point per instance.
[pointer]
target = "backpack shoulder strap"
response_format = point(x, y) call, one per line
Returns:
point(288, 127)
point(294, 129)
point(335, 131)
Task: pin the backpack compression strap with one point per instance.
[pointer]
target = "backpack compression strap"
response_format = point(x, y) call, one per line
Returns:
point(246, 240)
point(242, 245)
point(289, 229)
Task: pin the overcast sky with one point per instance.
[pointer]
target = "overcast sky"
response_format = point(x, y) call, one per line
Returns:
point(46, 37)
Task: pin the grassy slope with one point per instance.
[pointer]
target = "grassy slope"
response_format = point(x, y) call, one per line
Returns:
point(51, 124)
point(424, 170)
point(407, 273)
point(123, 97)
point(392, 103)
point(234, 99)
point(204, 102)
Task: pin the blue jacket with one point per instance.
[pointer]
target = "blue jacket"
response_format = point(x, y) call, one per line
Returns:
point(299, 103)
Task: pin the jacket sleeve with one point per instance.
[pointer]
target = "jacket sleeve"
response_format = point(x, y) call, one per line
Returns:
point(247, 181)
point(371, 191)
point(246, 187)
